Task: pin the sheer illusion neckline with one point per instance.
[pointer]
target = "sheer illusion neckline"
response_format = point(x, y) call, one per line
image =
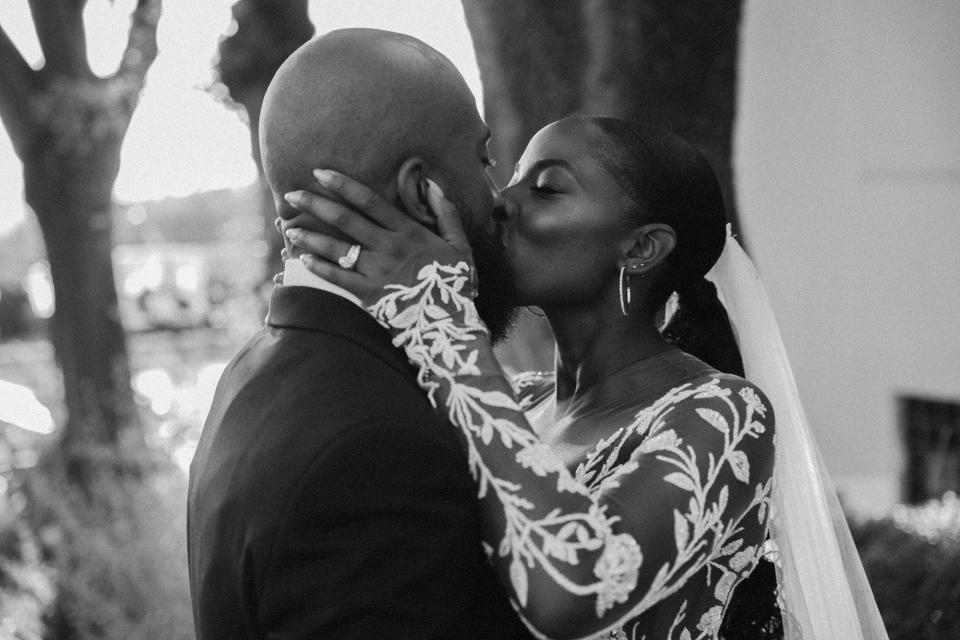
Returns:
point(636, 383)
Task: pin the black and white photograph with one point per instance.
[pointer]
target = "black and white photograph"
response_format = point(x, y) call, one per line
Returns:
point(486, 320)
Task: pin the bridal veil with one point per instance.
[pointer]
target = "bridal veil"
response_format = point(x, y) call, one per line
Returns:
point(824, 594)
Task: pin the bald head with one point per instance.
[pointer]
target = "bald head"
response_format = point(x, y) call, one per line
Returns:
point(361, 101)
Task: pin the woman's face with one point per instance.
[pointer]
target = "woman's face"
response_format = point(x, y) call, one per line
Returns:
point(564, 224)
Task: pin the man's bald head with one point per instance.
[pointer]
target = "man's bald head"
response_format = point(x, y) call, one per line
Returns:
point(361, 101)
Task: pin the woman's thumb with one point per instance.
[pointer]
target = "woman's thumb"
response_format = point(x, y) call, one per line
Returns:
point(449, 223)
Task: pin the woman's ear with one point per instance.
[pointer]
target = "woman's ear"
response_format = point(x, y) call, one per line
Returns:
point(651, 244)
point(412, 191)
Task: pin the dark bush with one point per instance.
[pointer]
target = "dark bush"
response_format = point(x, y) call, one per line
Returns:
point(912, 559)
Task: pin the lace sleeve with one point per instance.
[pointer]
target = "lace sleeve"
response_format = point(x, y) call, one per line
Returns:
point(581, 560)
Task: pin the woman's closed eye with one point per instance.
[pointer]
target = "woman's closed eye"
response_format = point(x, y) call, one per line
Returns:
point(544, 189)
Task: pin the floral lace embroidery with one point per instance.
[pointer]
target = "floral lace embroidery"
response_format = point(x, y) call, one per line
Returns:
point(437, 325)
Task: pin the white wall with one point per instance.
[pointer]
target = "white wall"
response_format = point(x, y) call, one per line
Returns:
point(848, 175)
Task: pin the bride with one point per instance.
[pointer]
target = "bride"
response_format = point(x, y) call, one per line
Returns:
point(631, 491)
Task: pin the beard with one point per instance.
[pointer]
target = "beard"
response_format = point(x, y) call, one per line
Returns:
point(496, 295)
point(496, 292)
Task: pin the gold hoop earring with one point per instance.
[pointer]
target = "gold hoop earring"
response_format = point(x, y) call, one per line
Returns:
point(624, 297)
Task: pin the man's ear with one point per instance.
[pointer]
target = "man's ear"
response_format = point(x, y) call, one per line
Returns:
point(649, 245)
point(412, 191)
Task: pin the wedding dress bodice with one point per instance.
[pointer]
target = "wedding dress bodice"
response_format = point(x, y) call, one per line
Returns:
point(648, 535)
point(695, 611)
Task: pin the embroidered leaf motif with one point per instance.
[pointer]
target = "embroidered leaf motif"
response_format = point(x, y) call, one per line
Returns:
point(722, 500)
point(404, 318)
point(665, 440)
point(730, 548)
point(435, 312)
point(724, 584)
point(743, 558)
point(680, 531)
point(740, 465)
point(518, 579)
point(715, 419)
point(680, 479)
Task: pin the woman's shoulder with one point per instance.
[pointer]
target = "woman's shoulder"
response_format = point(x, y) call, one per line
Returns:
point(713, 395)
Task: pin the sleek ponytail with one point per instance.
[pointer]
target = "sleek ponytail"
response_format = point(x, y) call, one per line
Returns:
point(700, 326)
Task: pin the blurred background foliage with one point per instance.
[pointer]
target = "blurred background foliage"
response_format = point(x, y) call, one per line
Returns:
point(114, 330)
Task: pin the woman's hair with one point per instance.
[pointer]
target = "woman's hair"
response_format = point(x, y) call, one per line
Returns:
point(669, 181)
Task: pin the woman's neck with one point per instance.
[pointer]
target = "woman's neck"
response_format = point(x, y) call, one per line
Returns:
point(592, 346)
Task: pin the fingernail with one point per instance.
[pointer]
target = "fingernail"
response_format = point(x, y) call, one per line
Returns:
point(294, 197)
point(323, 176)
point(306, 259)
point(433, 185)
point(292, 234)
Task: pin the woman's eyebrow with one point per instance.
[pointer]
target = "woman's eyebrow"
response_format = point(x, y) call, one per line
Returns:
point(545, 163)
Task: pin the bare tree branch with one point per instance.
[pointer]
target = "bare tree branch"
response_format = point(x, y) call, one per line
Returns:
point(141, 48)
point(17, 83)
point(63, 40)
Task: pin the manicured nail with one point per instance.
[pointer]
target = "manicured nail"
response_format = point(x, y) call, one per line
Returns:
point(306, 259)
point(294, 197)
point(324, 176)
point(292, 234)
point(435, 187)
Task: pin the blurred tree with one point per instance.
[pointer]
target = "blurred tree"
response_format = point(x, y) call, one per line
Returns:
point(671, 62)
point(264, 34)
point(67, 126)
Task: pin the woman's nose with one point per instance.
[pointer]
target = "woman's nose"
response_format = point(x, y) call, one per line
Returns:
point(506, 209)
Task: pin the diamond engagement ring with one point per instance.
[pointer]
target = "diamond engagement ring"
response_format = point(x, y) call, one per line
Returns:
point(349, 261)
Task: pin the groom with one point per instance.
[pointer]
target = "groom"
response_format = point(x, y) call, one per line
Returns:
point(327, 498)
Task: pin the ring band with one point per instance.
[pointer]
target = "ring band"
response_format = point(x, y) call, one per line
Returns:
point(349, 261)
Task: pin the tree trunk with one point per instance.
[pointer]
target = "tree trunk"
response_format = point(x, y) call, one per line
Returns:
point(71, 196)
point(530, 55)
point(267, 32)
point(672, 62)
point(67, 126)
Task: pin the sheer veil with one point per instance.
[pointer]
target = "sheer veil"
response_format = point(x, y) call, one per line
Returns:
point(824, 594)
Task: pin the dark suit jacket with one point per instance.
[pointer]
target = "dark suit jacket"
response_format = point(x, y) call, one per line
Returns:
point(328, 499)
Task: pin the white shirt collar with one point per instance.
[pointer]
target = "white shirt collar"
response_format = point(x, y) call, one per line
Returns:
point(296, 274)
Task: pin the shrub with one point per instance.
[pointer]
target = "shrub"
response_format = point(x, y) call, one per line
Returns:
point(912, 559)
point(116, 553)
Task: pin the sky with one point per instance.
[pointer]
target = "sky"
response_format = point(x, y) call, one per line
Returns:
point(181, 140)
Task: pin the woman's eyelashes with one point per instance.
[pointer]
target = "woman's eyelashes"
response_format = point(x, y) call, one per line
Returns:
point(544, 189)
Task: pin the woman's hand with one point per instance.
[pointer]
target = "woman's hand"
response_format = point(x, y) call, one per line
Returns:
point(393, 246)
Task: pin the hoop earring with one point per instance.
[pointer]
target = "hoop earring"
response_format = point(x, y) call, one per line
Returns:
point(624, 298)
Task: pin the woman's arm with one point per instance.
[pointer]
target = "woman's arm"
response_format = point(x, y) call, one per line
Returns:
point(577, 561)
